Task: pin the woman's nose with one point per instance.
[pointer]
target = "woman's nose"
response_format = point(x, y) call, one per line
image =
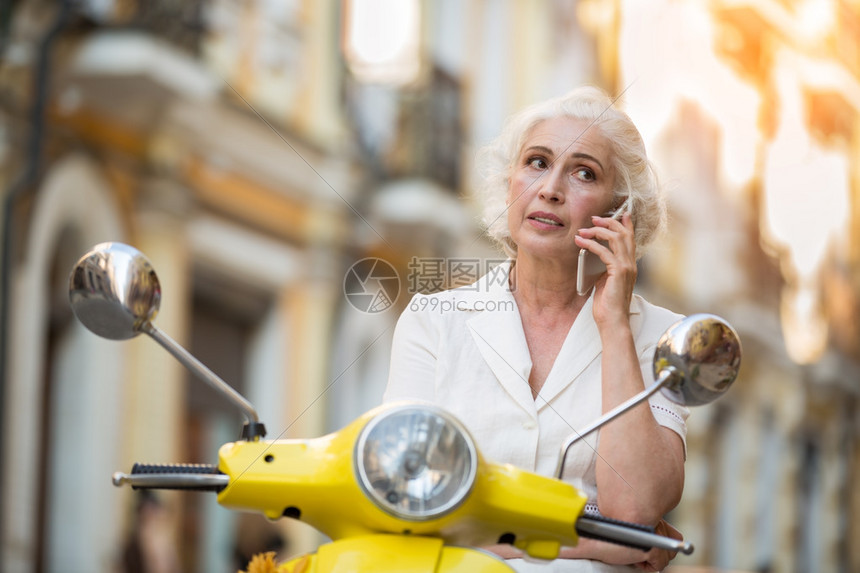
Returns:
point(551, 186)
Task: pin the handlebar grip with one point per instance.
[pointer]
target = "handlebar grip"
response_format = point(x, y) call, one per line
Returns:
point(197, 477)
point(174, 469)
point(633, 535)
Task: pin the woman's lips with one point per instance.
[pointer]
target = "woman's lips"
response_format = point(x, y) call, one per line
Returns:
point(545, 220)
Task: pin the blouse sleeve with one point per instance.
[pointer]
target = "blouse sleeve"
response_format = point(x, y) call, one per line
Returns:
point(413, 356)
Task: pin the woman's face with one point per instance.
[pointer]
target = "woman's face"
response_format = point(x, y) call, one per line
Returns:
point(562, 176)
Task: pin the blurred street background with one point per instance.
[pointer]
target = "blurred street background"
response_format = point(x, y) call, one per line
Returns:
point(257, 150)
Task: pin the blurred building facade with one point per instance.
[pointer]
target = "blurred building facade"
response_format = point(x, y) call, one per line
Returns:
point(159, 132)
point(754, 128)
point(256, 150)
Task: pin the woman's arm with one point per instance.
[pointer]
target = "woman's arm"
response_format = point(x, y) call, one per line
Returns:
point(640, 466)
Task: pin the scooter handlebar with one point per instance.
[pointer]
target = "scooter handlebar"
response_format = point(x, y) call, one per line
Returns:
point(632, 535)
point(204, 477)
point(198, 477)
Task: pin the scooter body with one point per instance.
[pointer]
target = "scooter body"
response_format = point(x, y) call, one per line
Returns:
point(386, 553)
point(315, 481)
point(402, 488)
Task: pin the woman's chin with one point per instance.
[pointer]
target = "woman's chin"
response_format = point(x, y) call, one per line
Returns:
point(554, 254)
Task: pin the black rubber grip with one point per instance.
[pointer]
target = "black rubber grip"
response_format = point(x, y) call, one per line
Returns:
point(630, 534)
point(174, 469)
point(628, 524)
point(615, 531)
point(189, 477)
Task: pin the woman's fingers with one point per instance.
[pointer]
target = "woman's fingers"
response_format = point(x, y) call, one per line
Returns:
point(618, 234)
point(658, 559)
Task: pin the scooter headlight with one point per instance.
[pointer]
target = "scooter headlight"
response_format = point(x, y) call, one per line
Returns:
point(416, 462)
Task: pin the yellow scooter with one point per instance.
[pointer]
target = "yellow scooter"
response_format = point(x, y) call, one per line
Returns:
point(402, 488)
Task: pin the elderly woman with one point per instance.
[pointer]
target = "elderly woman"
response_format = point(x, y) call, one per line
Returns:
point(524, 359)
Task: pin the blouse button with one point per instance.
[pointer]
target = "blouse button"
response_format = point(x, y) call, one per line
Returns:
point(530, 425)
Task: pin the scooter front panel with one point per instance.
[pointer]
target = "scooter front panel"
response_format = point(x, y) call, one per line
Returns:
point(395, 554)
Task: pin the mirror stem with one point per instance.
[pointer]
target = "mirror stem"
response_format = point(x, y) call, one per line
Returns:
point(253, 427)
point(665, 376)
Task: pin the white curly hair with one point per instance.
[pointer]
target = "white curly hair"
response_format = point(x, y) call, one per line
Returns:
point(636, 177)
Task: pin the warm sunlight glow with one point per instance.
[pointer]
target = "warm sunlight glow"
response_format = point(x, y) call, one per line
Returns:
point(803, 324)
point(816, 17)
point(806, 209)
point(669, 54)
point(381, 41)
point(806, 187)
point(681, 64)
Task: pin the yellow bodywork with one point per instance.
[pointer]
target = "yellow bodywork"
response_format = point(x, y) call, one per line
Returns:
point(392, 554)
point(315, 481)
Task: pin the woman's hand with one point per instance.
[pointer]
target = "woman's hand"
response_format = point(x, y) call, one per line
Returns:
point(613, 291)
point(653, 560)
point(657, 559)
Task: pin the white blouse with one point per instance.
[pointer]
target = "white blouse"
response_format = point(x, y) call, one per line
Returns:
point(465, 350)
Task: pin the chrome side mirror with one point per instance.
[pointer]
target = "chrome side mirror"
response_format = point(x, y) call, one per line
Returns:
point(703, 355)
point(696, 361)
point(115, 293)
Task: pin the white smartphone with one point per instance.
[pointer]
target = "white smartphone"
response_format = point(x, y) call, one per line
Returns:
point(589, 266)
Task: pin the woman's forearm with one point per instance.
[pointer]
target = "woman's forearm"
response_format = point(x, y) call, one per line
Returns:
point(640, 467)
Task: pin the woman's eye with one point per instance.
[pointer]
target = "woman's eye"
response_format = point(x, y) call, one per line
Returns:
point(584, 174)
point(537, 163)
